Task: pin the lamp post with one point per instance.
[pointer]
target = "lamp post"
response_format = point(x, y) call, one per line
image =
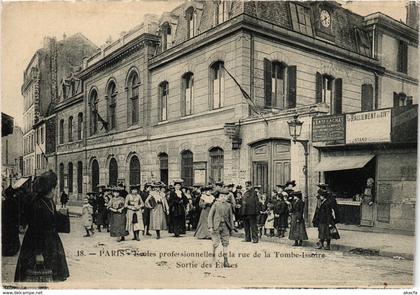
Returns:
point(295, 129)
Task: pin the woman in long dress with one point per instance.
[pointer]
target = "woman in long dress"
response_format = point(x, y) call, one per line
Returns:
point(206, 200)
point(118, 218)
point(134, 205)
point(158, 209)
point(42, 244)
point(297, 223)
point(177, 204)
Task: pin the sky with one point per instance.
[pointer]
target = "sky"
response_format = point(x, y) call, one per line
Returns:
point(24, 24)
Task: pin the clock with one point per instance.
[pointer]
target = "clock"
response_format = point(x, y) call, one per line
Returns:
point(325, 18)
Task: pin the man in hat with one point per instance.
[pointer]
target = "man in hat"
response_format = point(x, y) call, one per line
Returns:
point(146, 211)
point(231, 196)
point(250, 211)
point(220, 223)
point(218, 186)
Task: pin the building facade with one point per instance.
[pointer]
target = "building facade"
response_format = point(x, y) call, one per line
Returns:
point(164, 101)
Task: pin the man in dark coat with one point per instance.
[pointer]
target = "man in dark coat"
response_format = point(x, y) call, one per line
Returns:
point(146, 211)
point(250, 211)
point(64, 198)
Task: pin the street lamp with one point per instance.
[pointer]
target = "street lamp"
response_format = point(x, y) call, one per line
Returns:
point(295, 129)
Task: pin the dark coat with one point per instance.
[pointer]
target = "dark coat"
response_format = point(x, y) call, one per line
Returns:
point(177, 213)
point(42, 238)
point(280, 209)
point(64, 198)
point(324, 213)
point(250, 203)
point(10, 242)
point(297, 223)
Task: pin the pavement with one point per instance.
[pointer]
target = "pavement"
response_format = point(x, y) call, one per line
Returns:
point(369, 243)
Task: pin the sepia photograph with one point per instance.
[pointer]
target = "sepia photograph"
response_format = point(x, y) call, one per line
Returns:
point(209, 144)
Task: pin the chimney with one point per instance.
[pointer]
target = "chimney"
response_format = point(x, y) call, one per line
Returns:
point(412, 18)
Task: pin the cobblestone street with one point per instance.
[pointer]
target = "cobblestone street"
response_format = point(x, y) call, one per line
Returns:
point(150, 263)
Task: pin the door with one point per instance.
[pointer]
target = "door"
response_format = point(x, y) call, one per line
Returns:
point(260, 175)
point(281, 172)
point(95, 176)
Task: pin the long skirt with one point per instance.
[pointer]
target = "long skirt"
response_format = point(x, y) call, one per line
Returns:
point(117, 225)
point(157, 218)
point(146, 217)
point(53, 253)
point(202, 231)
point(102, 217)
point(324, 232)
point(297, 229)
point(177, 225)
point(136, 216)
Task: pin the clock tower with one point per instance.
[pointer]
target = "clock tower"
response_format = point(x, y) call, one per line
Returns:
point(324, 21)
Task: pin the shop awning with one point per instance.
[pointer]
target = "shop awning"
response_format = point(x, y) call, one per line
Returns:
point(338, 163)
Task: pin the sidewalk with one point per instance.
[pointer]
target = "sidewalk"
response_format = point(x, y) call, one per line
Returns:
point(381, 244)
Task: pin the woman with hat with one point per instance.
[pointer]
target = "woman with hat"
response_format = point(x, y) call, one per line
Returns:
point(177, 203)
point(42, 244)
point(146, 211)
point(134, 205)
point(297, 223)
point(324, 220)
point(117, 216)
point(281, 213)
point(206, 200)
point(159, 208)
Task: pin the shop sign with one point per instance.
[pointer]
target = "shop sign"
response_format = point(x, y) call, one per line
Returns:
point(329, 129)
point(368, 127)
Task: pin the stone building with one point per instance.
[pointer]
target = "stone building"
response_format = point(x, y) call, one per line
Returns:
point(162, 102)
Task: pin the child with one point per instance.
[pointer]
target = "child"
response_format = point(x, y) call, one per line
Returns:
point(269, 223)
point(87, 217)
point(220, 223)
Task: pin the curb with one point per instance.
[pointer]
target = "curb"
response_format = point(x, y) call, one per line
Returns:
point(341, 248)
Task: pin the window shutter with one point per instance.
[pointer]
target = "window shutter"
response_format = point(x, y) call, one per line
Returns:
point(338, 96)
point(267, 83)
point(291, 87)
point(318, 88)
point(367, 97)
point(396, 100)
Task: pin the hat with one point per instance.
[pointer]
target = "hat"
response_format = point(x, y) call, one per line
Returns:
point(281, 185)
point(230, 185)
point(197, 185)
point(219, 183)
point(239, 187)
point(178, 181)
point(134, 186)
point(322, 185)
point(101, 186)
point(91, 193)
point(147, 184)
point(291, 182)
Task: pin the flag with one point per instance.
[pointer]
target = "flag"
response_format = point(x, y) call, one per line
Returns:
point(248, 99)
point(104, 123)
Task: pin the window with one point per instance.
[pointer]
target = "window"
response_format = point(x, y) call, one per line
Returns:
point(163, 101)
point(93, 105)
point(191, 20)
point(70, 127)
point(329, 91)
point(402, 57)
point(70, 178)
point(79, 177)
point(279, 85)
point(163, 165)
point(187, 168)
point(61, 131)
point(301, 19)
point(61, 176)
point(187, 100)
point(79, 126)
point(95, 176)
point(112, 105)
point(133, 99)
point(367, 97)
point(166, 36)
point(221, 14)
point(401, 99)
point(216, 164)
point(134, 171)
point(362, 41)
point(113, 173)
point(217, 85)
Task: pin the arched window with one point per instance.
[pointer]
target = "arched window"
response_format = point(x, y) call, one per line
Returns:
point(163, 101)
point(112, 104)
point(70, 127)
point(134, 171)
point(113, 172)
point(163, 166)
point(133, 98)
point(79, 126)
point(191, 21)
point(95, 176)
point(61, 131)
point(216, 164)
point(70, 178)
point(166, 36)
point(217, 85)
point(79, 177)
point(60, 176)
point(187, 168)
point(187, 95)
point(93, 105)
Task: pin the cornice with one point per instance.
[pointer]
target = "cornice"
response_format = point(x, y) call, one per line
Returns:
point(69, 102)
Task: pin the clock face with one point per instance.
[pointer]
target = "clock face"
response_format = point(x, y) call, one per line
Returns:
point(325, 18)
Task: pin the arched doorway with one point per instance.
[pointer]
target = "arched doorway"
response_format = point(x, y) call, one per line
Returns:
point(270, 162)
point(134, 171)
point(95, 175)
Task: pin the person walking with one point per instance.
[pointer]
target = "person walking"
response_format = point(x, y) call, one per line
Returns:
point(250, 211)
point(64, 198)
point(177, 204)
point(297, 223)
point(146, 211)
point(324, 220)
point(118, 217)
point(206, 200)
point(87, 218)
point(280, 215)
point(134, 205)
point(159, 208)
